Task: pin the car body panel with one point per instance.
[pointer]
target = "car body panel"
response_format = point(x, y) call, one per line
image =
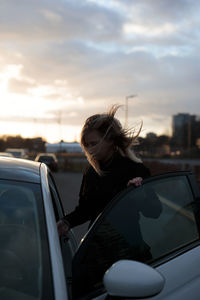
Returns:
point(19, 169)
point(182, 271)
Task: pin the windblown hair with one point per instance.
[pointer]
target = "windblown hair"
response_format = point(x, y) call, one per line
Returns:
point(110, 129)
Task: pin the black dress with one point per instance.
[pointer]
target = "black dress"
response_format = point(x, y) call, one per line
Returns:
point(97, 191)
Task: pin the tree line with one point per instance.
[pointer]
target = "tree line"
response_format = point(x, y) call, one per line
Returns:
point(150, 146)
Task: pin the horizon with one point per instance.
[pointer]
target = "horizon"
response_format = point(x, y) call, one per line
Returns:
point(76, 138)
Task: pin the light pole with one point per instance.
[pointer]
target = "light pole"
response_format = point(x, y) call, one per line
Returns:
point(126, 108)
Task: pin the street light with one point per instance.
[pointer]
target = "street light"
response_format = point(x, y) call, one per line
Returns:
point(126, 108)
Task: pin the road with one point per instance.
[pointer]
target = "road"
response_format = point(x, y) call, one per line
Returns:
point(68, 184)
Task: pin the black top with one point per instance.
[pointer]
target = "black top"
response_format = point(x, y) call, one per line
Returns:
point(97, 191)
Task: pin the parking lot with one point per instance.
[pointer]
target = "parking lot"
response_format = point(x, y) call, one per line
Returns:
point(68, 184)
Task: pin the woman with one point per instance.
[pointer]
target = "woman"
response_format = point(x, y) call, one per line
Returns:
point(113, 166)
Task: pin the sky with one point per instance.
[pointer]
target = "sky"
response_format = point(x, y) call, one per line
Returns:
point(64, 60)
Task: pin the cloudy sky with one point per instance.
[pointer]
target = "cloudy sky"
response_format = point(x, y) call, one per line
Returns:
point(63, 60)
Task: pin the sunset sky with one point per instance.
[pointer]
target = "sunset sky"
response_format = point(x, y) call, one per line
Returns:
point(63, 60)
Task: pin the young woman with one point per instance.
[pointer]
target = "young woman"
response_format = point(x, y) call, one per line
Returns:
point(113, 166)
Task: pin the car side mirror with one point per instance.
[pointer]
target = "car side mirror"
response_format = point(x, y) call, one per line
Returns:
point(127, 278)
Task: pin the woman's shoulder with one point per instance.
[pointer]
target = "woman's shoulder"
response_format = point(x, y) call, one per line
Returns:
point(128, 161)
point(138, 167)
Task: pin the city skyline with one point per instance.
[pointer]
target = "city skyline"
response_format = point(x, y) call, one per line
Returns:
point(62, 61)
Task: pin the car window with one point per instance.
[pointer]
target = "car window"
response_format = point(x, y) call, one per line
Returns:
point(24, 256)
point(46, 158)
point(151, 223)
point(57, 204)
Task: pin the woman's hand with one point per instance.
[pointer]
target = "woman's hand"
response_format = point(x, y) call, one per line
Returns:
point(62, 227)
point(137, 181)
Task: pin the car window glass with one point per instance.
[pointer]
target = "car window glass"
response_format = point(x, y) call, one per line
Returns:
point(57, 205)
point(145, 224)
point(24, 252)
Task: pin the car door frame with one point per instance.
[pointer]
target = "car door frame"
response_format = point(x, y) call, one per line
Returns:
point(57, 270)
point(68, 242)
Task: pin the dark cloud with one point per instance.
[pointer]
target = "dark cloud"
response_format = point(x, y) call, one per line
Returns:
point(49, 21)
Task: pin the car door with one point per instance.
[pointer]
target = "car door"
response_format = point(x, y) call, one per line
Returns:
point(157, 224)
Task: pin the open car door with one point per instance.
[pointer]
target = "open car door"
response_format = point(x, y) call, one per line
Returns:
point(152, 224)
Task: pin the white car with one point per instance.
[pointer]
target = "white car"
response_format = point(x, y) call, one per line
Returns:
point(5, 154)
point(144, 245)
point(16, 152)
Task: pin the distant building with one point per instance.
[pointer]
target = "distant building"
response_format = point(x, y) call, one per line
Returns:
point(184, 127)
point(63, 147)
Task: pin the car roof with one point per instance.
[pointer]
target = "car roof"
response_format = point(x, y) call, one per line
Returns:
point(19, 169)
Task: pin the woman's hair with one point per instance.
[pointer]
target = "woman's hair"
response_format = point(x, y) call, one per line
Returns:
point(110, 129)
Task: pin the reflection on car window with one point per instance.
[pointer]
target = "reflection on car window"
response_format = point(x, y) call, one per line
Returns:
point(145, 224)
point(22, 241)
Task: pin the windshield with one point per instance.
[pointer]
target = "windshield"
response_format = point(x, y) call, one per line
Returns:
point(46, 158)
point(24, 259)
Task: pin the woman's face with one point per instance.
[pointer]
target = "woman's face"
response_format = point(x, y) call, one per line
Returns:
point(100, 149)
